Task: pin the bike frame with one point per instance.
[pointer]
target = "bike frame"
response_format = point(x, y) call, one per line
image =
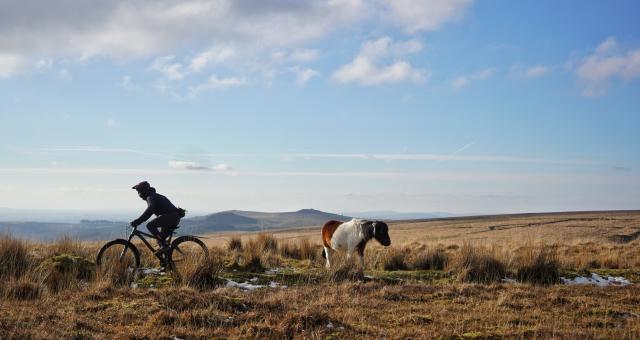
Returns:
point(141, 235)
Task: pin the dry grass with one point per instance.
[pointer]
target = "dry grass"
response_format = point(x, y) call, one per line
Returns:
point(538, 265)
point(22, 289)
point(14, 257)
point(433, 259)
point(426, 289)
point(478, 264)
point(204, 274)
point(300, 250)
point(234, 244)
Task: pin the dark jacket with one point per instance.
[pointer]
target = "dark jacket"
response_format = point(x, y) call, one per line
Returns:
point(156, 205)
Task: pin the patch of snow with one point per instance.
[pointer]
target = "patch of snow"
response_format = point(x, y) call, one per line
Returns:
point(598, 280)
point(274, 284)
point(243, 285)
point(134, 285)
point(249, 286)
point(508, 280)
point(152, 271)
point(271, 271)
point(253, 279)
point(330, 325)
point(370, 277)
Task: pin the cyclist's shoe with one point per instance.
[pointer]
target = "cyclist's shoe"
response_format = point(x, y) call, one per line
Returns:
point(164, 265)
point(163, 251)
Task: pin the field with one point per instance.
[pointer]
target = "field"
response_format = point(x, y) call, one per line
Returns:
point(440, 278)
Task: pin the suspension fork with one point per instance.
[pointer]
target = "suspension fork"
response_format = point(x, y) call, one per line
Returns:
point(126, 246)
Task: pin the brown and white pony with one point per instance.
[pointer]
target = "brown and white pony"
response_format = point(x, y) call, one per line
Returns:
point(351, 236)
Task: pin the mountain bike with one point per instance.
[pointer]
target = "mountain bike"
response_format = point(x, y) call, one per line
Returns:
point(121, 254)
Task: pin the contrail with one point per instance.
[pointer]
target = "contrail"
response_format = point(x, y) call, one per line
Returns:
point(463, 148)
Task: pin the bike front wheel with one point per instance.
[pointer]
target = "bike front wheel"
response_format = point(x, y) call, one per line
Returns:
point(187, 253)
point(118, 261)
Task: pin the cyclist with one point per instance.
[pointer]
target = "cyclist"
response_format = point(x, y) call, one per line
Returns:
point(168, 215)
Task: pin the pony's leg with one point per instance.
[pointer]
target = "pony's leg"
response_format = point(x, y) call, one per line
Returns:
point(326, 253)
point(361, 261)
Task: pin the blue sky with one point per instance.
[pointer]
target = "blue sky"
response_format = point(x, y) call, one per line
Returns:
point(343, 105)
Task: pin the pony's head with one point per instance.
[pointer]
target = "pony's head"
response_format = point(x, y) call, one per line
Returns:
point(381, 233)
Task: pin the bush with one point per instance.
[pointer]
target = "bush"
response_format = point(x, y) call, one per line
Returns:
point(478, 264)
point(538, 266)
point(14, 257)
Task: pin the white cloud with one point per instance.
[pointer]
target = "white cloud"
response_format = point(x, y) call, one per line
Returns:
point(10, 64)
point(462, 81)
point(138, 28)
point(303, 75)
point(366, 68)
point(598, 70)
point(44, 64)
point(214, 55)
point(186, 165)
point(304, 55)
point(535, 71)
point(214, 83)
point(75, 30)
point(170, 69)
point(607, 46)
point(424, 15)
point(222, 167)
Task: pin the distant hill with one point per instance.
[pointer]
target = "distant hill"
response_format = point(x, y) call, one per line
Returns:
point(223, 221)
point(253, 220)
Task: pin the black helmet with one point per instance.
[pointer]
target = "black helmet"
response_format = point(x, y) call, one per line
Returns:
point(142, 186)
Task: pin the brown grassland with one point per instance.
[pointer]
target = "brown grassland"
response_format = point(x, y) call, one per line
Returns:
point(439, 279)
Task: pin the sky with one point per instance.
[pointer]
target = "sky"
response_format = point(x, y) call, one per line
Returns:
point(459, 106)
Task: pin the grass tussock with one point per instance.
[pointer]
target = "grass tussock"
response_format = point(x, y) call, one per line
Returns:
point(432, 259)
point(538, 265)
point(300, 250)
point(14, 257)
point(22, 289)
point(344, 271)
point(264, 243)
point(478, 264)
point(234, 244)
point(393, 259)
point(204, 275)
point(68, 245)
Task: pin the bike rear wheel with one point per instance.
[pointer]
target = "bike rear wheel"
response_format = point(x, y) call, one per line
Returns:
point(186, 253)
point(118, 260)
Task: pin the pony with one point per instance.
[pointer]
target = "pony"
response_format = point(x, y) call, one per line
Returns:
point(351, 236)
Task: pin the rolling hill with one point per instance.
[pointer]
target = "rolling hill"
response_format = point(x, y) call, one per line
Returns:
point(252, 220)
point(232, 220)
